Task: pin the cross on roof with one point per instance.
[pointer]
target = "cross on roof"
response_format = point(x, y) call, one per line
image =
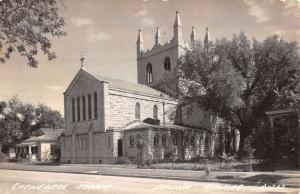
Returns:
point(82, 59)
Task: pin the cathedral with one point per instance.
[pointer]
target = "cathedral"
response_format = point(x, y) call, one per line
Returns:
point(112, 121)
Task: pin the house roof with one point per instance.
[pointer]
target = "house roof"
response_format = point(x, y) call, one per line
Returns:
point(48, 134)
point(280, 111)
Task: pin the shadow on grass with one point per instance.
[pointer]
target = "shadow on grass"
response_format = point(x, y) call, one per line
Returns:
point(45, 163)
point(224, 177)
point(266, 178)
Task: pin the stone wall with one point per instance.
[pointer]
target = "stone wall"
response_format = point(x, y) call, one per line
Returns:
point(122, 107)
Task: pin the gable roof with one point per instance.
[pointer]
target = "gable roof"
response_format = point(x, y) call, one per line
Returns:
point(118, 84)
point(48, 135)
point(125, 85)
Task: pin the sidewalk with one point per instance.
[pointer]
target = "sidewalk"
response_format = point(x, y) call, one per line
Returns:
point(287, 178)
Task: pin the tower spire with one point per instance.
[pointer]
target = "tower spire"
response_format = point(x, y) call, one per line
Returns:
point(193, 35)
point(178, 29)
point(157, 36)
point(139, 42)
point(206, 38)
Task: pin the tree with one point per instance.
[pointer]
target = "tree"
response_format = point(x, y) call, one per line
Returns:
point(46, 117)
point(18, 121)
point(26, 25)
point(238, 79)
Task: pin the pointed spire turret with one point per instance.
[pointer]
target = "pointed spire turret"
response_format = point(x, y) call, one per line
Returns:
point(177, 20)
point(206, 38)
point(139, 42)
point(193, 35)
point(178, 29)
point(157, 36)
point(140, 37)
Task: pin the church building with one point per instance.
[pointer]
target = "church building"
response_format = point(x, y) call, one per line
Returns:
point(110, 120)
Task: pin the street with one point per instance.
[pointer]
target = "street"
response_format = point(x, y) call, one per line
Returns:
point(14, 181)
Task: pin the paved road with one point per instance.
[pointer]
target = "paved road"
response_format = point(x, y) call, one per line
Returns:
point(14, 181)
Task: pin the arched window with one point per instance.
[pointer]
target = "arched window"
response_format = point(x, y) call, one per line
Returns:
point(156, 140)
point(81, 143)
point(78, 109)
point(83, 108)
point(73, 110)
point(137, 111)
point(167, 64)
point(155, 112)
point(164, 140)
point(149, 73)
point(131, 141)
point(95, 106)
point(90, 106)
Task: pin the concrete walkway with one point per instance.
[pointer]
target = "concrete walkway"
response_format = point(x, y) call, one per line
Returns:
point(282, 178)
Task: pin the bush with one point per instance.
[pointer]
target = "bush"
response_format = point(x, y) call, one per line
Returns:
point(14, 160)
point(3, 157)
point(55, 153)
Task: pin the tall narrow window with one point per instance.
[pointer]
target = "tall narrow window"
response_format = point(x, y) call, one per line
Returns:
point(83, 108)
point(175, 140)
point(131, 142)
point(73, 109)
point(108, 141)
point(137, 111)
point(164, 140)
point(155, 112)
point(95, 106)
point(90, 106)
point(78, 109)
point(156, 140)
point(167, 64)
point(149, 73)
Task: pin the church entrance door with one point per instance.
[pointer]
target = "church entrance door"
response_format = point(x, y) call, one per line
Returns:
point(120, 147)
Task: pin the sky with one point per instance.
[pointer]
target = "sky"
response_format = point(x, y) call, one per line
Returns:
point(105, 32)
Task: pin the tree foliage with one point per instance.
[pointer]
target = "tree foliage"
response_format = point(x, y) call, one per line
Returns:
point(239, 79)
point(26, 26)
point(18, 121)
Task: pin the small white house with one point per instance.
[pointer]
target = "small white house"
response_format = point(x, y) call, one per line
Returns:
point(38, 148)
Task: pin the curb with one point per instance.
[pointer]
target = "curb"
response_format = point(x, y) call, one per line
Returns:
point(236, 182)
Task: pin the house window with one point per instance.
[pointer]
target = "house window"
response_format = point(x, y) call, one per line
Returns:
point(156, 140)
point(90, 106)
point(73, 109)
point(78, 109)
point(164, 140)
point(34, 150)
point(137, 111)
point(139, 140)
point(95, 106)
point(149, 73)
point(167, 64)
point(131, 141)
point(155, 112)
point(83, 108)
point(175, 140)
